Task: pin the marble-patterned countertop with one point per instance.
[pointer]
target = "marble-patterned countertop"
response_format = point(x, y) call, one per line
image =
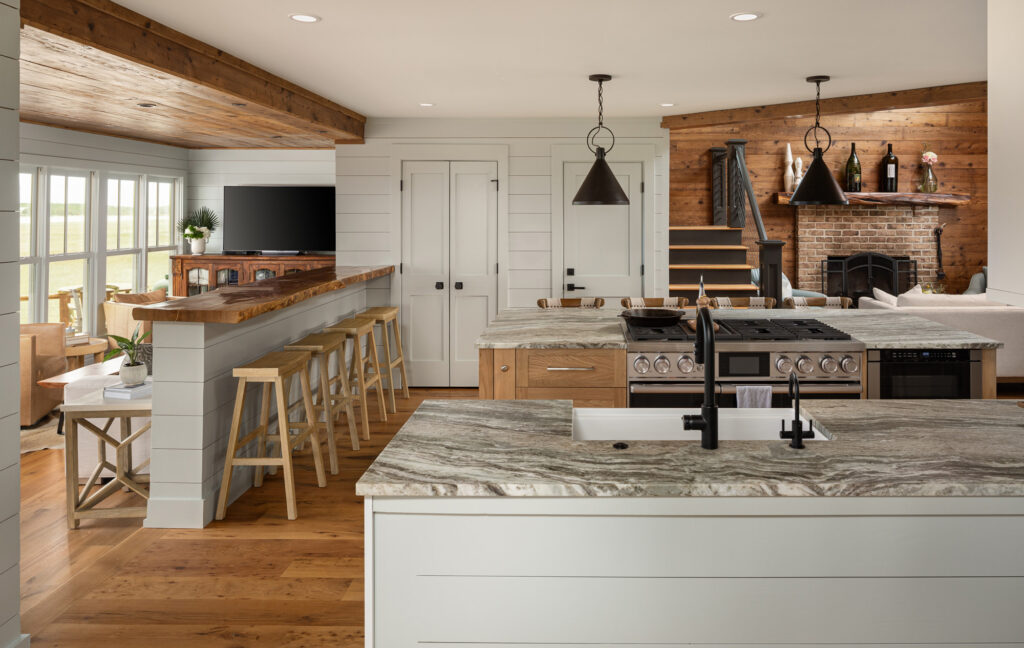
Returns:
point(535, 328)
point(919, 448)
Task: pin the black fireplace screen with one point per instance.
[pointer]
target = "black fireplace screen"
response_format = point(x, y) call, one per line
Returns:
point(854, 276)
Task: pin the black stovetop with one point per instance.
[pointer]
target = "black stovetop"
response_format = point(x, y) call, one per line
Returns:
point(743, 330)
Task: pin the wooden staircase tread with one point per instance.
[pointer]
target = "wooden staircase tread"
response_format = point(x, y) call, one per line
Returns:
point(703, 228)
point(710, 266)
point(712, 286)
point(707, 247)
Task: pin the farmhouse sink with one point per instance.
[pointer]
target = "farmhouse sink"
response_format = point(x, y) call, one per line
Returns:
point(666, 424)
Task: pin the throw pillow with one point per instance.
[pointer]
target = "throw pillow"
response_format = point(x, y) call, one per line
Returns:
point(884, 297)
point(944, 301)
point(154, 297)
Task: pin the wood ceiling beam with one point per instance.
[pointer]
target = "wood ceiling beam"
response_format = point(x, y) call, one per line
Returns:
point(917, 98)
point(111, 28)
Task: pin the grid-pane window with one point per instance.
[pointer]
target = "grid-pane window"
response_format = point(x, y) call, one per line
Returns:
point(121, 272)
point(27, 302)
point(160, 208)
point(67, 292)
point(158, 270)
point(26, 198)
point(121, 213)
point(68, 209)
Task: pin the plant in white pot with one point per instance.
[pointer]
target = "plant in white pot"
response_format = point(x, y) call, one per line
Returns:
point(197, 226)
point(133, 371)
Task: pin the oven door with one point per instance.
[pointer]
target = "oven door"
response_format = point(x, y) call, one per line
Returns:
point(692, 394)
point(959, 378)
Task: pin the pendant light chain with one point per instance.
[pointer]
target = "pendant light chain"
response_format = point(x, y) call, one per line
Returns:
point(600, 103)
point(817, 114)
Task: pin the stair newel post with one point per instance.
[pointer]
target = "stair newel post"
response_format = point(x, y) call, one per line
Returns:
point(737, 183)
point(719, 186)
point(770, 255)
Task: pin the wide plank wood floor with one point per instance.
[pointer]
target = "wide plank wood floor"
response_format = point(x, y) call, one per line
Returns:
point(255, 579)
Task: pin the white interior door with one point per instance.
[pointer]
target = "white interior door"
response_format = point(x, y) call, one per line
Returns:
point(425, 270)
point(602, 244)
point(474, 274)
point(449, 261)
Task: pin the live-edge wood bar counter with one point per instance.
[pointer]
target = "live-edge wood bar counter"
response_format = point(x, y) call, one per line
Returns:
point(197, 342)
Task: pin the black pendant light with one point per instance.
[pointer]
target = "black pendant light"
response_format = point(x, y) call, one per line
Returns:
point(600, 187)
point(818, 186)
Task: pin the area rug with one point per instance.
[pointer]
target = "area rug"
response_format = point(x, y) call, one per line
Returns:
point(41, 437)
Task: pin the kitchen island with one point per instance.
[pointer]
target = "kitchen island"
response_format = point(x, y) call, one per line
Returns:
point(197, 342)
point(519, 345)
point(486, 523)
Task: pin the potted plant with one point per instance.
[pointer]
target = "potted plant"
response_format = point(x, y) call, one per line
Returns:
point(197, 227)
point(133, 371)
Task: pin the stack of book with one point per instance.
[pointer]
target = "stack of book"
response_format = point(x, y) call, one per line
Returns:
point(120, 391)
point(77, 339)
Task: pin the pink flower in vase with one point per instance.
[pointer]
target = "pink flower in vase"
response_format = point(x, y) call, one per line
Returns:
point(929, 158)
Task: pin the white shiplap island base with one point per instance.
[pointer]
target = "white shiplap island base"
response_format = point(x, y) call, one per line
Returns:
point(487, 525)
point(193, 386)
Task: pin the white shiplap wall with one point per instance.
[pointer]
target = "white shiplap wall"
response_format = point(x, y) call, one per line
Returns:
point(10, 585)
point(210, 170)
point(68, 149)
point(367, 219)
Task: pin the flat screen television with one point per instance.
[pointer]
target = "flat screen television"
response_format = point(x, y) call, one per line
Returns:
point(279, 219)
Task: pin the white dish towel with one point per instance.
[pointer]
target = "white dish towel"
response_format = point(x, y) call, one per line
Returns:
point(754, 396)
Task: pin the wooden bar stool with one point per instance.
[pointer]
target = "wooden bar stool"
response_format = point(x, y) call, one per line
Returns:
point(382, 315)
point(357, 328)
point(273, 370)
point(332, 395)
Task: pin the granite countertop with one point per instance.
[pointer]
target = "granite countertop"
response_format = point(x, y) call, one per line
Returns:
point(535, 328)
point(235, 304)
point(878, 448)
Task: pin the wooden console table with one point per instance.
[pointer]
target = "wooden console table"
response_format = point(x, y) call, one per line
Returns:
point(196, 274)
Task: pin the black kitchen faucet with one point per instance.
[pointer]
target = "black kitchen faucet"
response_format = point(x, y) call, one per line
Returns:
point(704, 353)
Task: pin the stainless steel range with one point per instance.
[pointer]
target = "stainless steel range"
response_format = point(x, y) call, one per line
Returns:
point(662, 371)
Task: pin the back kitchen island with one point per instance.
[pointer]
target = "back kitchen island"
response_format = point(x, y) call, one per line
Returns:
point(197, 342)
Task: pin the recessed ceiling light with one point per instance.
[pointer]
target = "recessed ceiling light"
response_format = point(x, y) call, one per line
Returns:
point(146, 104)
point(304, 18)
point(666, 105)
point(426, 105)
point(745, 16)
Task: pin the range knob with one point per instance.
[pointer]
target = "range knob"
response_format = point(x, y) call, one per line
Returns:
point(662, 364)
point(849, 364)
point(805, 365)
point(829, 365)
point(685, 364)
point(784, 365)
point(642, 364)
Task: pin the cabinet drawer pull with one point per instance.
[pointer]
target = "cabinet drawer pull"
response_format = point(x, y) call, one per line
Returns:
point(572, 369)
point(504, 368)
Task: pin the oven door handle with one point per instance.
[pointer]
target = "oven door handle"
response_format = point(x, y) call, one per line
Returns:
point(805, 388)
point(670, 388)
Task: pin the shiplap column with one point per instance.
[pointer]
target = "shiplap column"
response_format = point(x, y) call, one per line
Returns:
point(10, 448)
point(194, 395)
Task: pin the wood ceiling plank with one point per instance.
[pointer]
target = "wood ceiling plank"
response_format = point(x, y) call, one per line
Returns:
point(86, 64)
point(917, 98)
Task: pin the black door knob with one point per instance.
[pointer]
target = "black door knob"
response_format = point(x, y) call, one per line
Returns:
point(439, 285)
point(575, 287)
point(458, 285)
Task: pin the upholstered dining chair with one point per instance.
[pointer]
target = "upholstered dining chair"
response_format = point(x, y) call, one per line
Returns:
point(816, 302)
point(654, 302)
point(743, 302)
point(579, 302)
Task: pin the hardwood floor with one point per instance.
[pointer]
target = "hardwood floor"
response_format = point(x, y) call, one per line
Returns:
point(255, 579)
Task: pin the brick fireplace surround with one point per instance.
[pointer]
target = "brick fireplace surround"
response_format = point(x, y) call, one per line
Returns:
point(896, 230)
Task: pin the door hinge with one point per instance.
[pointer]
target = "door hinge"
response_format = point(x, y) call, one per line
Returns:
point(641, 186)
point(401, 185)
point(400, 268)
point(495, 268)
point(641, 268)
point(496, 184)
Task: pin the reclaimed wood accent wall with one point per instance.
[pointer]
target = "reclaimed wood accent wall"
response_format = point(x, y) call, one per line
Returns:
point(957, 133)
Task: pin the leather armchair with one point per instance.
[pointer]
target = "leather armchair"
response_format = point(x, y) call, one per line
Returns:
point(41, 353)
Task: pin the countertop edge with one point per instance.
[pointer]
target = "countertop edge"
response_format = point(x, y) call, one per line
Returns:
point(177, 311)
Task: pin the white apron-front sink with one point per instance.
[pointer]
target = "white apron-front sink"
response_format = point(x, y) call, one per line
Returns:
point(666, 424)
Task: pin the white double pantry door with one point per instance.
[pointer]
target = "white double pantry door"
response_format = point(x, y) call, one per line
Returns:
point(449, 268)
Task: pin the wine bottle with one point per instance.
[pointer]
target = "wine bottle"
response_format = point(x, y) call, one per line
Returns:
point(889, 173)
point(853, 170)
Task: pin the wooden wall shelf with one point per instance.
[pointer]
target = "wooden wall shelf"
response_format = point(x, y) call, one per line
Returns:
point(885, 198)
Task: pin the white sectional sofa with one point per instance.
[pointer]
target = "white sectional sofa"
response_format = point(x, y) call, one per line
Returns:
point(969, 313)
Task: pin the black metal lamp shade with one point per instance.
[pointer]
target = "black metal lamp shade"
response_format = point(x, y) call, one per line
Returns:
point(600, 187)
point(818, 187)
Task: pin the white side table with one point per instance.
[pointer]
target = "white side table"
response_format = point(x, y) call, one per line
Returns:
point(82, 503)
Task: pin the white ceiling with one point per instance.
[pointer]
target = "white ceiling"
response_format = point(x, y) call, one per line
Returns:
point(531, 58)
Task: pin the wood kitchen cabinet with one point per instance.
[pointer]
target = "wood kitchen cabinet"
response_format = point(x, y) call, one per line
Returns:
point(588, 377)
point(196, 274)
